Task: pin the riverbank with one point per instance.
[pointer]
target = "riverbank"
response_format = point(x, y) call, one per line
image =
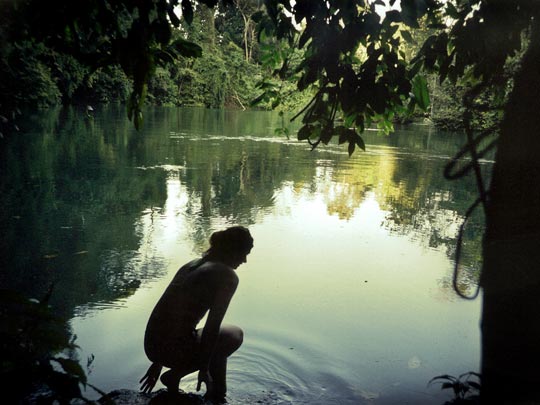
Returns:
point(162, 397)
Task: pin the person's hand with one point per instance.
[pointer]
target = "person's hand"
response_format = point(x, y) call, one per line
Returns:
point(149, 380)
point(204, 377)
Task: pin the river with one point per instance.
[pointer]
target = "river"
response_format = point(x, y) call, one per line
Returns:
point(346, 297)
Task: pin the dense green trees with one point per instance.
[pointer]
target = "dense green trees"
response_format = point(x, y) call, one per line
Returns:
point(48, 64)
point(221, 76)
point(41, 71)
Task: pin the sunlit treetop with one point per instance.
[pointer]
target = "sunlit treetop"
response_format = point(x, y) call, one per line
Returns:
point(354, 59)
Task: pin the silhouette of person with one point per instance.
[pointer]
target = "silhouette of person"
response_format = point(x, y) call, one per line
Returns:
point(200, 286)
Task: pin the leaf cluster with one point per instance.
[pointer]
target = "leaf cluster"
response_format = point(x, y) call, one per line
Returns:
point(136, 35)
point(353, 62)
point(477, 47)
point(464, 386)
point(477, 39)
point(36, 347)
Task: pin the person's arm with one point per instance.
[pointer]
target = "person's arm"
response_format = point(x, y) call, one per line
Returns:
point(225, 291)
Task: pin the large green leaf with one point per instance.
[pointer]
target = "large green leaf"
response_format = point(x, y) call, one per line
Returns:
point(187, 11)
point(187, 48)
point(305, 132)
point(407, 36)
point(420, 92)
point(409, 13)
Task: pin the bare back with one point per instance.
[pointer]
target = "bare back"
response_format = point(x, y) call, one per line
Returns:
point(195, 289)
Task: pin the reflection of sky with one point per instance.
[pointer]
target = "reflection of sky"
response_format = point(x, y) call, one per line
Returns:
point(322, 300)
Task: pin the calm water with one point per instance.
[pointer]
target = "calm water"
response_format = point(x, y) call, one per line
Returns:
point(346, 297)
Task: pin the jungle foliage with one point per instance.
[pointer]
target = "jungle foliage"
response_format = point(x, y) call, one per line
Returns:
point(129, 52)
point(360, 62)
point(39, 354)
point(225, 54)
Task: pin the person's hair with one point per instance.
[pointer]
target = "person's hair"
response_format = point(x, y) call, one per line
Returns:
point(235, 239)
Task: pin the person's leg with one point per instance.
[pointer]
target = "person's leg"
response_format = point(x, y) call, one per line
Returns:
point(181, 360)
point(229, 340)
point(171, 379)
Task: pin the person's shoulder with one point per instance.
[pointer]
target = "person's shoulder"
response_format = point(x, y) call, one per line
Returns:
point(221, 272)
point(189, 265)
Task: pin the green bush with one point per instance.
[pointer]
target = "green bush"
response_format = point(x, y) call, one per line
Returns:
point(26, 77)
point(162, 89)
point(106, 85)
point(38, 353)
point(69, 74)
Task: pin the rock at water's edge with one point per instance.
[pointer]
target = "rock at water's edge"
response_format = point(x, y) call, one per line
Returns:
point(160, 397)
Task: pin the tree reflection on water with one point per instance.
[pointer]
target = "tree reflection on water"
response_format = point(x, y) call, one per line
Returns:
point(74, 190)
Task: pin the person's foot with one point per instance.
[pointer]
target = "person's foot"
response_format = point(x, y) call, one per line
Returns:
point(215, 398)
point(171, 381)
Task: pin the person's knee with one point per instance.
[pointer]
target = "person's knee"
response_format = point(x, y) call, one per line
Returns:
point(236, 337)
point(239, 337)
point(231, 337)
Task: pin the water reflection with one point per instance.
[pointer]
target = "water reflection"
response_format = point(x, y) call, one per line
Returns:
point(351, 268)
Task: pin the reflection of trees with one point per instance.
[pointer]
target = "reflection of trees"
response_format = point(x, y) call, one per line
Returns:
point(421, 203)
point(404, 172)
point(69, 204)
point(233, 180)
point(74, 189)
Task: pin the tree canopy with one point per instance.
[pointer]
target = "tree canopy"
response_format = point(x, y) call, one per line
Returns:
point(353, 56)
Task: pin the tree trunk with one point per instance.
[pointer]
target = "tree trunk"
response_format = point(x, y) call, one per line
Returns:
point(246, 32)
point(511, 273)
point(251, 39)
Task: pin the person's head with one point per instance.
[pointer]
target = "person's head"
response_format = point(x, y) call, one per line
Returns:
point(231, 245)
